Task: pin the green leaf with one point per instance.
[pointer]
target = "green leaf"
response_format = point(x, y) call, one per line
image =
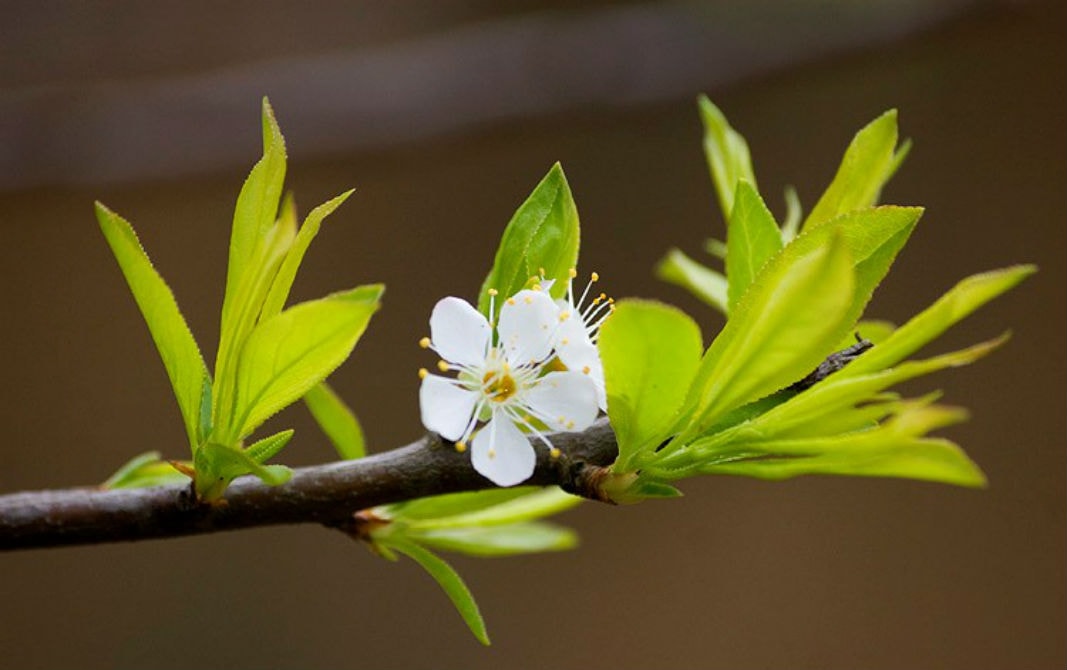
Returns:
point(217, 465)
point(812, 412)
point(337, 421)
point(181, 357)
point(793, 215)
point(450, 581)
point(650, 353)
point(283, 281)
point(727, 154)
point(257, 206)
point(787, 323)
point(753, 238)
point(142, 471)
point(967, 296)
point(867, 165)
point(454, 504)
point(291, 352)
point(247, 302)
point(543, 234)
point(504, 540)
point(527, 507)
point(896, 448)
point(263, 450)
point(703, 282)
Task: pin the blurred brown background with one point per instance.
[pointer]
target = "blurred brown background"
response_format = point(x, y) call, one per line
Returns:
point(444, 116)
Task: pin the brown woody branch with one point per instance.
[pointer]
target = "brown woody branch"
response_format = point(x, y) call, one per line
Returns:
point(327, 494)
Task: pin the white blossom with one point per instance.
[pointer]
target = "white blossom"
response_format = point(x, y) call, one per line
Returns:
point(502, 381)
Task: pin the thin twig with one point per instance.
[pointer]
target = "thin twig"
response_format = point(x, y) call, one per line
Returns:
point(326, 494)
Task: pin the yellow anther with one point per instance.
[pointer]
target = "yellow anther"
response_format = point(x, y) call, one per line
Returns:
point(570, 425)
point(562, 421)
point(424, 343)
point(423, 372)
point(493, 291)
point(565, 341)
point(536, 287)
point(602, 296)
point(594, 277)
point(611, 301)
point(461, 447)
point(443, 366)
point(492, 453)
point(511, 301)
point(528, 300)
point(553, 453)
point(541, 271)
point(586, 369)
point(563, 316)
point(572, 273)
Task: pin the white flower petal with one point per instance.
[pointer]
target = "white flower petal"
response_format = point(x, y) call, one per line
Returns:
point(585, 358)
point(563, 400)
point(528, 322)
point(446, 408)
point(459, 333)
point(501, 452)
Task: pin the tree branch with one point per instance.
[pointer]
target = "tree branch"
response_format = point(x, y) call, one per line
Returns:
point(327, 494)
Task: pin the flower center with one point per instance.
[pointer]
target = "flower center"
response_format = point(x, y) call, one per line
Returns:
point(498, 385)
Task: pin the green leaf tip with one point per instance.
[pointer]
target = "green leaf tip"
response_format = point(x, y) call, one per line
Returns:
point(540, 241)
point(174, 340)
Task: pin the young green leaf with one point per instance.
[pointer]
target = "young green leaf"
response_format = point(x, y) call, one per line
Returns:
point(247, 302)
point(433, 508)
point(543, 234)
point(516, 509)
point(142, 471)
point(867, 165)
point(650, 353)
point(181, 357)
point(706, 284)
point(450, 581)
point(283, 281)
point(503, 540)
point(263, 450)
point(257, 206)
point(895, 448)
point(787, 323)
point(217, 465)
point(291, 352)
point(753, 238)
point(337, 421)
point(965, 297)
point(727, 154)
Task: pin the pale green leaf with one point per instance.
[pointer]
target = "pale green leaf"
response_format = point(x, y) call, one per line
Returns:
point(527, 507)
point(752, 239)
point(291, 352)
point(787, 323)
point(283, 280)
point(965, 297)
point(337, 421)
point(263, 450)
point(867, 165)
point(727, 154)
point(450, 505)
point(450, 581)
point(650, 353)
point(257, 206)
point(502, 540)
point(181, 357)
point(706, 284)
point(144, 470)
point(807, 412)
point(543, 235)
point(793, 215)
point(217, 465)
